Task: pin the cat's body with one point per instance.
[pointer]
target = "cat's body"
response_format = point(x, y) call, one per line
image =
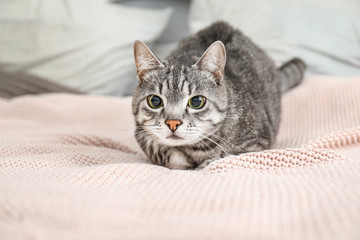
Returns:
point(241, 111)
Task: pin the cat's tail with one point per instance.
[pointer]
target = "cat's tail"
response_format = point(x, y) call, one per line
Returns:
point(292, 74)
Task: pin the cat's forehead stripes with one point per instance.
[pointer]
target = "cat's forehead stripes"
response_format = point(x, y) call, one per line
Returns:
point(174, 86)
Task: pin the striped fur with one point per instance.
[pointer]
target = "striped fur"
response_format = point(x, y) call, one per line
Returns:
point(242, 109)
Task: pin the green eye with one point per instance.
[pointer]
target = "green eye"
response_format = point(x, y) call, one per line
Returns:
point(197, 102)
point(154, 101)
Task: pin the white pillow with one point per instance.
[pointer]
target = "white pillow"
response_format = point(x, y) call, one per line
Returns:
point(323, 33)
point(82, 44)
point(253, 19)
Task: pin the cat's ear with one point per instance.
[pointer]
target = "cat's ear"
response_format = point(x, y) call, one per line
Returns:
point(213, 60)
point(145, 60)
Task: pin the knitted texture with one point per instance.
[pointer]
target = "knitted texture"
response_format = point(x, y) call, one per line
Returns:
point(70, 168)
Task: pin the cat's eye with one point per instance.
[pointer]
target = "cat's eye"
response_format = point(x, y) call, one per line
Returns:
point(197, 102)
point(154, 101)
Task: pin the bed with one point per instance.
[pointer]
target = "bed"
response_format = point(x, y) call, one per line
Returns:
point(70, 167)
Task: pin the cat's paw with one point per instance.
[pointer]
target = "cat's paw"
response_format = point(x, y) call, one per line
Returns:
point(204, 164)
point(178, 161)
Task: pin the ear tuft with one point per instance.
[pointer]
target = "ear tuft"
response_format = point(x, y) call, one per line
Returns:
point(145, 60)
point(213, 60)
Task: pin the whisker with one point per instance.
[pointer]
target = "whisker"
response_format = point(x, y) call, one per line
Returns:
point(212, 150)
point(221, 147)
point(144, 142)
point(223, 140)
point(218, 137)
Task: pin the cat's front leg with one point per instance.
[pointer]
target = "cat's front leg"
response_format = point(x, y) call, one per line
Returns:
point(178, 160)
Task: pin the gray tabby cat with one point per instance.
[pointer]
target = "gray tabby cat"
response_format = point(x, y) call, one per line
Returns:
point(192, 108)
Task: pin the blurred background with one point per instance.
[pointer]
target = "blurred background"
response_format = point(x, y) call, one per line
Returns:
point(85, 46)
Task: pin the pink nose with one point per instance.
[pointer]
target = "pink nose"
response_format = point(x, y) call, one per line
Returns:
point(172, 124)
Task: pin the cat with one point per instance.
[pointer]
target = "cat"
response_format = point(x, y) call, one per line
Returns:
point(217, 94)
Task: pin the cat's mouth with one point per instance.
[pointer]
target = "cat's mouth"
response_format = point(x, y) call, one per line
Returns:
point(173, 136)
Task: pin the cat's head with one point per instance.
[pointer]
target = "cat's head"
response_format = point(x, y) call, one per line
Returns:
point(180, 104)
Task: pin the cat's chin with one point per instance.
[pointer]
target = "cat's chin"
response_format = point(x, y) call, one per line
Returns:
point(175, 141)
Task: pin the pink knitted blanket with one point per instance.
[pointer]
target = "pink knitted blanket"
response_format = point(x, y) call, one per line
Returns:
point(70, 169)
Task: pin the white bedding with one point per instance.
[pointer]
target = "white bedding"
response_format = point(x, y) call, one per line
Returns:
point(85, 45)
point(326, 34)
